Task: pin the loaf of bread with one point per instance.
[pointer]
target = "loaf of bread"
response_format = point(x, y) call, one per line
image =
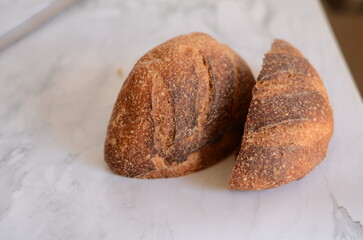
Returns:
point(289, 123)
point(179, 110)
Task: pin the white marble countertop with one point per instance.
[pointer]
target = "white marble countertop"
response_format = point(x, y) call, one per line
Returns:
point(58, 86)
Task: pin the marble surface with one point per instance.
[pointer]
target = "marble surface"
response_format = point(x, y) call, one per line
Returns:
point(58, 86)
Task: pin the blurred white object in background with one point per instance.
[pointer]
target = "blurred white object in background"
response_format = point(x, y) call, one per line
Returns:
point(13, 29)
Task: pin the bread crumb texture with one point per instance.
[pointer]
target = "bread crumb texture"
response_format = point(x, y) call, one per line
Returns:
point(180, 109)
point(289, 123)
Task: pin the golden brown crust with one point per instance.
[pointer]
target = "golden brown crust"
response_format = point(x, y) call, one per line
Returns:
point(289, 123)
point(181, 98)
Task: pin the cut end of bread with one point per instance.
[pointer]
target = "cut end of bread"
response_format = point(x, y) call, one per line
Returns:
point(289, 123)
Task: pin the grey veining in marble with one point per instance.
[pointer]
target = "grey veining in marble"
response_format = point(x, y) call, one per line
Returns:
point(57, 91)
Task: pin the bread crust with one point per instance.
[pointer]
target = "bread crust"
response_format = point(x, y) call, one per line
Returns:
point(289, 123)
point(180, 109)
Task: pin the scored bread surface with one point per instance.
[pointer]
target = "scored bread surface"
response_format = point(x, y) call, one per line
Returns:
point(180, 109)
point(289, 123)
